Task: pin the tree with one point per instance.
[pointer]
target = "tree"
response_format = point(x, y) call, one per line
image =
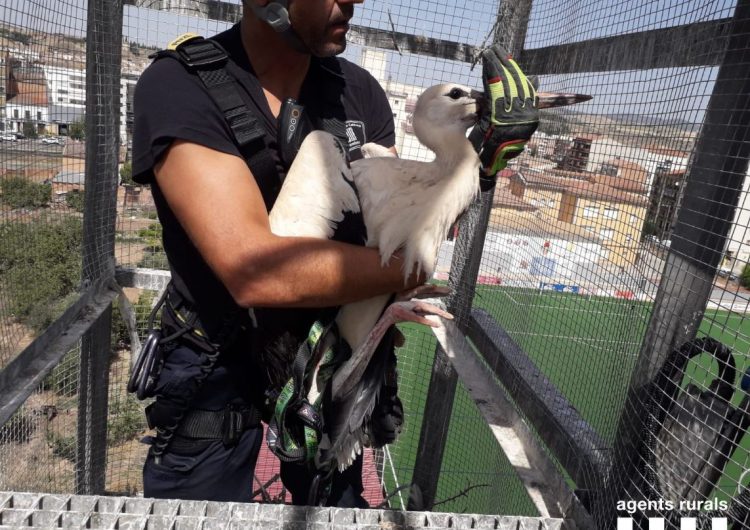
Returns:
point(126, 174)
point(745, 277)
point(29, 130)
point(77, 129)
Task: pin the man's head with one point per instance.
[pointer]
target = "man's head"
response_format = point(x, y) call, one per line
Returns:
point(319, 26)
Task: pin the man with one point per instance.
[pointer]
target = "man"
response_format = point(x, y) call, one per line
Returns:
point(222, 254)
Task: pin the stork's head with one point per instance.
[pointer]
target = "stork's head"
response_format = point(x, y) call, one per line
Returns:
point(444, 113)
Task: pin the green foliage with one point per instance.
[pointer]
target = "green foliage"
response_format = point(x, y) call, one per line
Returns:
point(75, 200)
point(745, 277)
point(16, 36)
point(19, 192)
point(40, 265)
point(62, 446)
point(152, 234)
point(154, 256)
point(649, 228)
point(126, 420)
point(63, 379)
point(29, 130)
point(142, 308)
point(153, 260)
point(77, 129)
point(126, 174)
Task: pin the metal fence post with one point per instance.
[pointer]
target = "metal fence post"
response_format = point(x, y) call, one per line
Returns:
point(467, 255)
point(103, 61)
point(712, 191)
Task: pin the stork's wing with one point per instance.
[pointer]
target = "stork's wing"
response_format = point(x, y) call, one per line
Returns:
point(317, 191)
point(395, 197)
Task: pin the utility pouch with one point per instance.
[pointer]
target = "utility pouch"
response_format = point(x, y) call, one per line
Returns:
point(148, 365)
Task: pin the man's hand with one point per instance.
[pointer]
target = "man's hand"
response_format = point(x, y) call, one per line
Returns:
point(503, 130)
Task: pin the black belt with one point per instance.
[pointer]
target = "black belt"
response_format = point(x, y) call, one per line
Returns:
point(226, 425)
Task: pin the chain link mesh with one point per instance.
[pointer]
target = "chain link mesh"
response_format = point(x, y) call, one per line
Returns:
point(617, 238)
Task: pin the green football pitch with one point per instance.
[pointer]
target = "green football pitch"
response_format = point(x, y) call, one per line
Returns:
point(587, 347)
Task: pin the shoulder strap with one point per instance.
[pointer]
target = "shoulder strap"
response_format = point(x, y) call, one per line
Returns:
point(208, 60)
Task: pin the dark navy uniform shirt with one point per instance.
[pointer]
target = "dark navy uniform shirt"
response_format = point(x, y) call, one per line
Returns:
point(172, 103)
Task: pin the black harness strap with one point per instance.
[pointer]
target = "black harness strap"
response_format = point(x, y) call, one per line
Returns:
point(209, 61)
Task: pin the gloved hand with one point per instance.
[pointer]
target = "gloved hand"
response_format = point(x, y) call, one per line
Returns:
point(512, 117)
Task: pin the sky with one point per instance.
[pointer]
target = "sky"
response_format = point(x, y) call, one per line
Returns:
point(670, 92)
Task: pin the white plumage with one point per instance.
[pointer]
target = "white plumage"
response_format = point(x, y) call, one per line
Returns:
point(405, 204)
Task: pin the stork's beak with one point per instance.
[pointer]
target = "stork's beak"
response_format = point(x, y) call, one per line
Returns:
point(483, 104)
point(547, 100)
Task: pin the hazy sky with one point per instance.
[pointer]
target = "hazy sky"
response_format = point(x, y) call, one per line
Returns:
point(669, 92)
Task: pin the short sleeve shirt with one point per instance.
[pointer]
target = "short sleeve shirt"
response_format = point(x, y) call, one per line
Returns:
point(172, 103)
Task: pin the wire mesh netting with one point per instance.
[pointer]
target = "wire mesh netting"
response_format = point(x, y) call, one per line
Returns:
point(614, 255)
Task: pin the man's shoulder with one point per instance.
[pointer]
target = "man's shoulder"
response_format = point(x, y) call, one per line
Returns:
point(164, 71)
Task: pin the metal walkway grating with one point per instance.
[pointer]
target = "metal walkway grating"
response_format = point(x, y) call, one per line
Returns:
point(35, 510)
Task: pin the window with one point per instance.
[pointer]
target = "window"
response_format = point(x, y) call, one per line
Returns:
point(551, 203)
point(606, 233)
point(628, 238)
point(27, 114)
point(62, 91)
point(591, 211)
point(611, 213)
point(633, 219)
point(15, 113)
point(38, 116)
point(588, 228)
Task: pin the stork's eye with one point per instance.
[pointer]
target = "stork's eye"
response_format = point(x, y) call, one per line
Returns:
point(456, 93)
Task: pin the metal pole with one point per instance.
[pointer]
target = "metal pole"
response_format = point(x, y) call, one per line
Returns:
point(103, 62)
point(467, 255)
point(712, 192)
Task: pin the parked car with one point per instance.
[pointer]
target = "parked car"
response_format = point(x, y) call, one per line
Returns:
point(8, 137)
point(52, 140)
point(20, 136)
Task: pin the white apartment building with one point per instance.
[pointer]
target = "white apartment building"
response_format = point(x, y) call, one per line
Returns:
point(402, 99)
point(22, 109)
point(67, 87)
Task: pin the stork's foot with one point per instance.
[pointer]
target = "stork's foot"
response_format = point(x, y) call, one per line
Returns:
point(426, 290)
point(412, 311)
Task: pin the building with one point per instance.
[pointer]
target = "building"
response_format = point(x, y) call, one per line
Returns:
point(526, 244)
point(27, 98)
point(663, 201)
point(610, 208)
point(127, 92)
point(738, 242)
point(577, 157)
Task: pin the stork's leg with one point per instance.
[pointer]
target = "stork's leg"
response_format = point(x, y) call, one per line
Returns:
point(349, 374)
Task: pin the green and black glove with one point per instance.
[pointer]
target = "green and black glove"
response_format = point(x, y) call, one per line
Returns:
point(503, 129)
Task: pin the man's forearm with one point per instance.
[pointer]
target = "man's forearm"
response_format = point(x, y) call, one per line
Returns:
point(305, 272)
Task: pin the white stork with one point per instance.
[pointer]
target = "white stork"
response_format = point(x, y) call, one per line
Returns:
point(406, 205)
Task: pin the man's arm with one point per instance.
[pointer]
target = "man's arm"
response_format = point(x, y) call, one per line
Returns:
point(219, 204)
